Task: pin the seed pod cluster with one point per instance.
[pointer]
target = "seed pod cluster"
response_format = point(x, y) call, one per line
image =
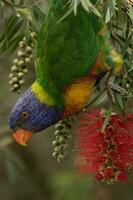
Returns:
point(62, 134)
point(20, 64)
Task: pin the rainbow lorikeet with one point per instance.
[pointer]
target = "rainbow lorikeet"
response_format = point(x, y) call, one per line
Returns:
point(70, 55)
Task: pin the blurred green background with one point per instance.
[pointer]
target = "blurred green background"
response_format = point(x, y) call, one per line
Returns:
point(30, 173)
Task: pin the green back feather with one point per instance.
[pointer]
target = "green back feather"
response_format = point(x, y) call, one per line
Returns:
point(66, 50)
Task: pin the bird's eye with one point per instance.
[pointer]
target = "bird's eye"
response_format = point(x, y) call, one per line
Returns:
point(25, 115)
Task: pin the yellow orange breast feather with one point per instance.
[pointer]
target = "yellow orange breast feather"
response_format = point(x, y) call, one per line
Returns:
point(77, 94)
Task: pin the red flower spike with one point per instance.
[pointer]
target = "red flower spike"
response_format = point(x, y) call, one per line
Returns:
point(107, 155)
point(99, 176)
point(122, 176)
point(108, 173)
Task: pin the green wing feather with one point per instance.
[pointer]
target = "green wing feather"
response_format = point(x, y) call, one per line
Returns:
point(66, 50)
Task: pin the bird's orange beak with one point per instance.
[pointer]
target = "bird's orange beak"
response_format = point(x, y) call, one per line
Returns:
point(22, 136)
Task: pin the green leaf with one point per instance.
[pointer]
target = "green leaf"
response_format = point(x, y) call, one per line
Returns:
point(9, 24)
point(38, 13)
point(130, 13)
point(88, 6)
point(108, 15)
point(107, 119)
point(15, 42)
point(119, 101)
point(127, 43)
point(38, 17)
point(112, 5)
point(10, 37)
point(12, 45)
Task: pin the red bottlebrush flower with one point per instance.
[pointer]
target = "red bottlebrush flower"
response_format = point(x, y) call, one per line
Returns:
point(108, 154)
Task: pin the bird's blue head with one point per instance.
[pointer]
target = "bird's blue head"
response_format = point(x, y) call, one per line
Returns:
point(31, 114)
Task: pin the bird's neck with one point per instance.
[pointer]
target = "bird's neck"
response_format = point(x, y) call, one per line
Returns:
point(41, 94)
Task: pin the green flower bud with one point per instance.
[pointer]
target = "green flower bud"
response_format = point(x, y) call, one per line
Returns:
point(27, 60)
point(25, 71)
point(21, 82)
point(31, 57)
point(14, 68)
point(60, 157)
point(54, 154)
point(57, 132)
point(15, 86)
point(54, 143)
point(20, 74)
point(21, 44)
point(10, 82)
point(21, 63)
point(14, 79)
point(58, 125)
point(15, 61)
point(21, 53)
point(28, 49)
point(127, 85)
point(33, 35)
point(57, 137)
point(10, 75)
point(61, 139)
point(126, 76)
point(58, 148)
